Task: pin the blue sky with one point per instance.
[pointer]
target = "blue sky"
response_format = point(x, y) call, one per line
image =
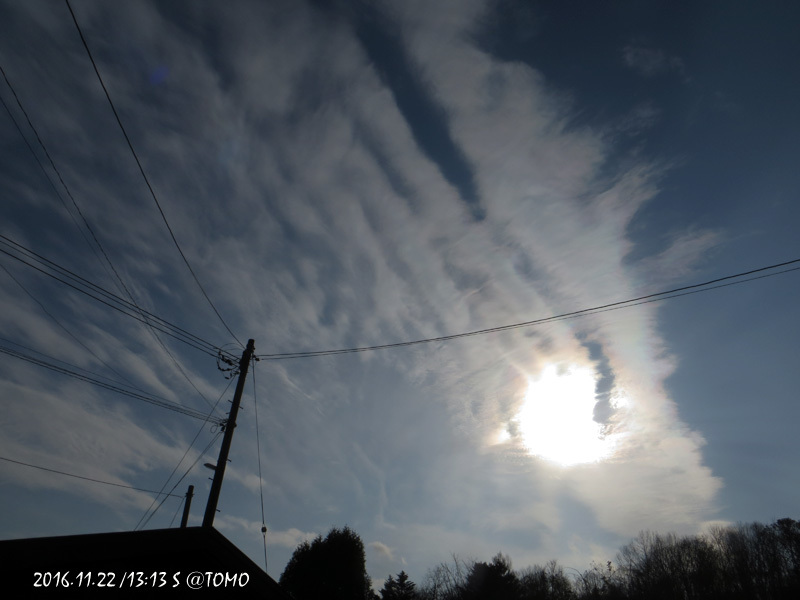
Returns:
point(356, 174)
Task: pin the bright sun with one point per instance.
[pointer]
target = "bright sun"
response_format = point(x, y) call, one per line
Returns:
point(556, 421)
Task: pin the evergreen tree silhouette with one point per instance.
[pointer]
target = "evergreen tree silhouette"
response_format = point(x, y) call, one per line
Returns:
point(399, 589)
point(333, 568)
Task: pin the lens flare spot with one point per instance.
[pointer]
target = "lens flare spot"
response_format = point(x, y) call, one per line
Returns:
point(159, 75)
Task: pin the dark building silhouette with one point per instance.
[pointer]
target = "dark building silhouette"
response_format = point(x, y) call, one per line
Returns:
point(220, 568)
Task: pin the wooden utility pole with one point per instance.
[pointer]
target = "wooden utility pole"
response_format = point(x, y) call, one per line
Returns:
point(186, 506)
point(219, 470)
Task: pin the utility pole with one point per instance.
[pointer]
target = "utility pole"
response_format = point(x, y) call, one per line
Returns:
point(219, 470)
point(186, 506)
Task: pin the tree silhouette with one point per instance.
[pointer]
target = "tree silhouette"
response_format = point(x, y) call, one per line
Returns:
point(445, 581)
point(399, 589)
point(333, 568)
point(741, 562)
point(545, 582)
point(492, 580)
point(600, 583)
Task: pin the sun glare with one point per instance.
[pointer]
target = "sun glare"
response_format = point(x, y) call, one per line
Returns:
point(556, 421)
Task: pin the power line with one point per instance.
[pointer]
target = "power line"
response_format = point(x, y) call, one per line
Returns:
point(65, 186)
point(109, 295)
point(77, 368)
point(88, 226)
point(177, 483)
point(102, 291)
point(177, 510)
point(60, 178)
point(44, 171)
point(130, 487)
point(149, 398)
point(108, 298)
point(260, 477)
point(191, 444)
point(67, 331)
point(209, 348)
point(144, 175)
point(674, 293)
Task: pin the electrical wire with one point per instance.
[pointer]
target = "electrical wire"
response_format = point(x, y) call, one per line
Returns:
point(44, 171)
point(77, 368)
point(90, 228)
point(106, 297)
point(205, 346)
point(214, 439)
point(111, 297)
point(130, 487)
point(67, 331)
point(144, 175)
point(191, 444)
point(195, 462)
point(97, 243)
point(578, 313)
point(260, 477)
point(177, 510)
point(150, 399)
